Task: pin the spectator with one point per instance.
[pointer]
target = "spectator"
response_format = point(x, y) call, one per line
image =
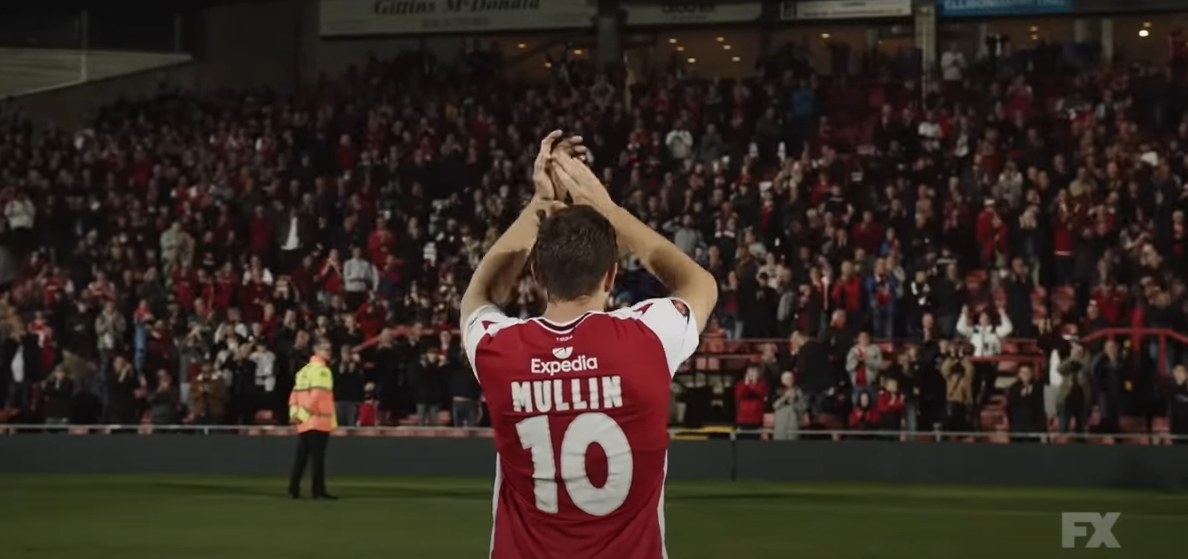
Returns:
point(369, 409)
point(122, 386)
point(1108, 377)
point(953, 66)
point(359, 277)
point(889, 406)
point(164, 402)
point(234, 362)
point(881, 289)
point(109, 331)
point(208, 397)
point(680, 144)
point(917, 302)
point(750, 397)
point(19, 214)
point(177, 247)
point(950, 298)
point(789, 406)
point(864, 363)
point(847, 293)
point(686, 237)
point(957, 370)
point(986, 339)
point(1055, 349)
point(769, 367)
point(292, 236)
point(329, 278)
point(1075, 394)
point(464, 389)
point(58, 391)
point(1025, 405)
point(20, 367)
point(760, 306)
point(426, 379)
point(142, 320)
point(914, 378)
point(1177, 404)
point(713, 147)
point(451, 352)
point(264, 378)
point(838, 338)
point(811, 367)
point(933, 404)
point(864, 416)
point(348, 387)
point(1019, 288)
point(380, 367)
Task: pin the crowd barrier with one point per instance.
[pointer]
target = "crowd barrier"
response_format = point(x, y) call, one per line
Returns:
point(948, 460)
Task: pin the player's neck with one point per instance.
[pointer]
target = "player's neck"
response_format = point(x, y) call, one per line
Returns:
point(562, 312)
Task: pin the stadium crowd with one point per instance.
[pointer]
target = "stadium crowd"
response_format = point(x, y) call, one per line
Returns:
point(174, 261)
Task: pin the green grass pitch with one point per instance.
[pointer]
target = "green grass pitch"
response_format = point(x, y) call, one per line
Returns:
point(182, 517)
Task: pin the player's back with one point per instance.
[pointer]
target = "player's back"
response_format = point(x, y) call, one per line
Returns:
point(580, 416)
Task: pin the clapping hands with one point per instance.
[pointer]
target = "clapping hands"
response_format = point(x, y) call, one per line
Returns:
point(559, 174)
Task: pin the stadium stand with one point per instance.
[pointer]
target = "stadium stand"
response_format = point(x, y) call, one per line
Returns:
point(175, 258)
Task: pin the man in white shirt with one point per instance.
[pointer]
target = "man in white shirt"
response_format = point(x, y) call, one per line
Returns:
point(177, 246)
point(19, 212)
point(358, 277)
point(20, 372)
point(289, 238)
point(680, 143)
point(16, 387)
point(953, 65)
point(265, 362)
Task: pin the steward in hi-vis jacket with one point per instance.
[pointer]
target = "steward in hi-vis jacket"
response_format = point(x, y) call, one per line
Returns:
point(311, 408)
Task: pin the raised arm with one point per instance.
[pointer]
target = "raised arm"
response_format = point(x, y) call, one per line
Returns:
point(497, 274)
point(1004, 328)
point(963, 326)
point(688, 281)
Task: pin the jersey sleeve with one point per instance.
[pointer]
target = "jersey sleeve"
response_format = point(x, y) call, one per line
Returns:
point(476, 326)
point(672, 321)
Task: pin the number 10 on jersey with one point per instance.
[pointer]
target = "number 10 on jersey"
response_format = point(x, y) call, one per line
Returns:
point(586, 429)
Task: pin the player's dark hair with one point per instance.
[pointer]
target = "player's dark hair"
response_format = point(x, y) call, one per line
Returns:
point(575, 248)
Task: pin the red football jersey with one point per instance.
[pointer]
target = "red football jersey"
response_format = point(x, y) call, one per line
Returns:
point(580, 414)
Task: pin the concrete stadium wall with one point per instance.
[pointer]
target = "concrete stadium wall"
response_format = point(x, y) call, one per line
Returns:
point(801, 461)
point(74, 105)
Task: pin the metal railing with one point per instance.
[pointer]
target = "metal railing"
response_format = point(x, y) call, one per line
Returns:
point(730, 433)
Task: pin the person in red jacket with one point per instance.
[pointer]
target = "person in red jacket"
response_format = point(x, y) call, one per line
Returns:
point(863, 416)
point(369, 409)
point(991, 233)
point(889, 406)
point(847, 291)
point(868, 234)
point(750, 398)
point(260, 233)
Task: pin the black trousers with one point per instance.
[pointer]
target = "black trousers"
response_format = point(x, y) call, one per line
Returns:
point(311, 447)
point(985, 375)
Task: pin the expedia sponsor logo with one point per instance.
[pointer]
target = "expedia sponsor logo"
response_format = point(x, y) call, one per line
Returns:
point(575, 365)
